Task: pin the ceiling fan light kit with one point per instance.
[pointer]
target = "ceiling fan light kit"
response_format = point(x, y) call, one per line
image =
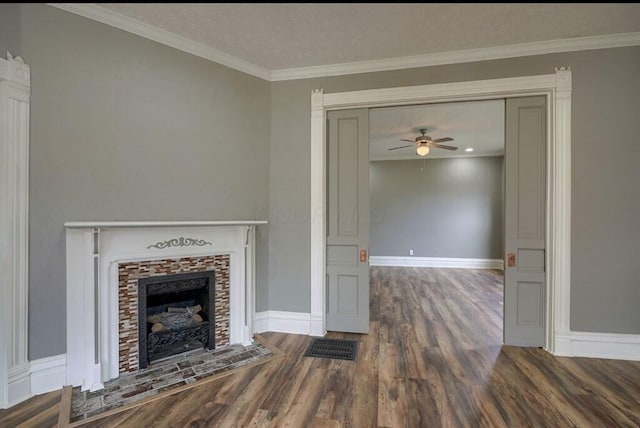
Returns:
point(422, 150)
point(425, 142)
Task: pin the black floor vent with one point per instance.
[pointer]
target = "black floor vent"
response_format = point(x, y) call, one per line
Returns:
point(340, 349)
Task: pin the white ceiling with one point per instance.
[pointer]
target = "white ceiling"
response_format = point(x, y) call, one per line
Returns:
point(290, 35)
point(475, 124)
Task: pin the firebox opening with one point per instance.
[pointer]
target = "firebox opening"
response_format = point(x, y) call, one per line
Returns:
point(175, 314)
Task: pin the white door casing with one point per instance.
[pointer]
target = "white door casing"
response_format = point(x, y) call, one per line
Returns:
point(555, 87)
point(15, 90)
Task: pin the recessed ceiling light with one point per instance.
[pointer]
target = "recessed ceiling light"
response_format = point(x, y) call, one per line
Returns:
point(468, 149)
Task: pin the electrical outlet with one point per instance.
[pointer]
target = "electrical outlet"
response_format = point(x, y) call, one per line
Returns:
point(411, 252)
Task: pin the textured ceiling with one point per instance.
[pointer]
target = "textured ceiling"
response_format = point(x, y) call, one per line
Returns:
point(280, 36)
point(476, 124)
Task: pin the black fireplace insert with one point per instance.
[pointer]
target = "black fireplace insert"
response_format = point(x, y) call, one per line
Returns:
point(176, 313)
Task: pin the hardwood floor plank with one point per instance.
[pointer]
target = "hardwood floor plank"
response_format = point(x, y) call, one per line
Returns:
point(47, 418)
point(325, 423)
point(433, 358)
point(138, 415)
point(392, 403)
point(363, 411)
point(489, 416)
point(231, 389)
point(562, 394)
point(413, 353)
point(208, 415)
point(421, 406)
point(64, 413)
point(305, 404)
point(240, 412)
point(260, 419)
point(435, 387)
point(22, 413)
point(391, 388)
point(279, 398)
point(336, 398)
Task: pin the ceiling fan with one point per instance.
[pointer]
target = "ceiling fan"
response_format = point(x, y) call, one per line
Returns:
point(425, 142)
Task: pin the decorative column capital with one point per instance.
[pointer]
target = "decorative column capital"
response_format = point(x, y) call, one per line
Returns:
point(563, 81)
point(317, 96)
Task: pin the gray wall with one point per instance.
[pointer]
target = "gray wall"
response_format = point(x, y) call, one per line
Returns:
point(9, 29)
point(123, 128)
point(437, 207)
point(605, 288)
point(126, 129)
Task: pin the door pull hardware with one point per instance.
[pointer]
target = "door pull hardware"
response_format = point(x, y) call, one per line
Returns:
point(511, 260)
point(363, 256)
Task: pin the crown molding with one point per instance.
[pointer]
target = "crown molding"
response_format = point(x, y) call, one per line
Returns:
point(134, 26)
point(461, 56)
point(131, 25)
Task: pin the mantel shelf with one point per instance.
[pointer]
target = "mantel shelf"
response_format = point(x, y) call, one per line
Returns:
point(125, 224)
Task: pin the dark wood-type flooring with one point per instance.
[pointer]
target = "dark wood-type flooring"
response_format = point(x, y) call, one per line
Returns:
point(433, 358)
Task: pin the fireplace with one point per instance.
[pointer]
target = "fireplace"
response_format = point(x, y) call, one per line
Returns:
point(107, 260)
point(173, 315)
point(133, 275)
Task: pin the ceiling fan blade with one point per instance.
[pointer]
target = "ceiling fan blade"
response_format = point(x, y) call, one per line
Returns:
point(401, 147)
point(442, 140)
point(408, 141)
point(443, 146)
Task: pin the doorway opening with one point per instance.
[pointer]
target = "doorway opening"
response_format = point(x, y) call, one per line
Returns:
point(556, 88)
point(521, 128)
point(441, 210)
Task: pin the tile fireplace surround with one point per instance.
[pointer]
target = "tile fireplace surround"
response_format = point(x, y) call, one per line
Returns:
point(97, 253)
point(128, 275)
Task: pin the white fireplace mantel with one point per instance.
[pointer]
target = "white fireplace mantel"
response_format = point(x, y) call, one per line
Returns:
point(94, 251)
point(127, 224)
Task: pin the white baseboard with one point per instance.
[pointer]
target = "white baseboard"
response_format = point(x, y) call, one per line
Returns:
point(282, 322)
point(317, 326)
point(18, 387)
point(598, 345)
point(48, 374)
point(562, 344)
point(568, 344)
point(36, 377)
point(443, 262)
point(261, 322)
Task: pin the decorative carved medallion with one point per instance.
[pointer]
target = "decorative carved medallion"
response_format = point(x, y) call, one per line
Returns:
point(180, 242)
